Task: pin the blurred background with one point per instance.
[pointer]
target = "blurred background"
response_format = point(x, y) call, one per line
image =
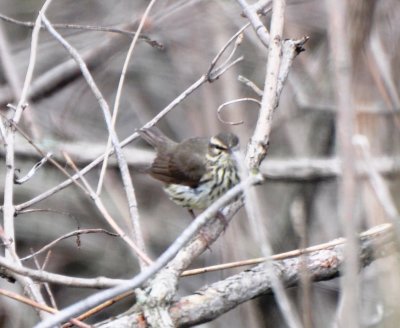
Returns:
point(63, 115)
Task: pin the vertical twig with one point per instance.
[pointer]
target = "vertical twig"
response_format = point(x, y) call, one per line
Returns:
point(378, 184)
point(138, 239)
point(12, 78)
point(8, 208)
point(299, 222)
point(127, 181)
point(118, 98)
point(258, 231)
point(259, 141)
point(348, 312)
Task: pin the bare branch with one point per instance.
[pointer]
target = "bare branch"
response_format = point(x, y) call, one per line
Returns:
point(324, 262)
point(221, 107)
point(117, 30)
point(41, 152)
point(378, 185)
point(251, 85)
point(43, 276)
point(138, 238)
point(129, 190)
point(212, 301)
point(110, 220)
point(8, 207)
point(258, 229)
point(348, 309)
point(39, 306)
point(276, 72)
point(202, 80)
point(256, 22)
point(126, 178)
point(33, 170)
point(68, 235)
point(150, 271)
point(237, 38)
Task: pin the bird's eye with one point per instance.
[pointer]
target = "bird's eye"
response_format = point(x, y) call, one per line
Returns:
point(219, 147)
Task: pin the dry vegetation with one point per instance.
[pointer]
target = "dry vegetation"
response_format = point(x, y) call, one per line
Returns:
point(326, 120)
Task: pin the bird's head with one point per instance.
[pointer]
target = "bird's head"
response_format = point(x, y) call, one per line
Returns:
point(223, 142)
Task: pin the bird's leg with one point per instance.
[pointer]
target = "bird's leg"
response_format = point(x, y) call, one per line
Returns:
point(192, 213)
point(220, 216)
point(202, 234)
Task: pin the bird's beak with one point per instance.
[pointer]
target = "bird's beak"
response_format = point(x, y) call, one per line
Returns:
point(234, 149)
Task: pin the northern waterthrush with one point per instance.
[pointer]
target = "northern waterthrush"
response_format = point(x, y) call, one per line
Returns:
point(196, 171)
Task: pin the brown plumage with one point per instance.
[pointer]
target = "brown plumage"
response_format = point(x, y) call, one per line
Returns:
point(180, 163)
point(196, 171)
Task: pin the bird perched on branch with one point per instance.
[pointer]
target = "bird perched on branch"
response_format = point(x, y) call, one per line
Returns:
point(196, 171)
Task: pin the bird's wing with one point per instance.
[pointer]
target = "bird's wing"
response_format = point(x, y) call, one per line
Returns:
point(185, 166)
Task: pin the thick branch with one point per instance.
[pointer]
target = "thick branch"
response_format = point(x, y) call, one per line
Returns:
point(213, 300)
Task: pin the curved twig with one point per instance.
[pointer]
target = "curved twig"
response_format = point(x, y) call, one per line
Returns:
point(68, 235)
point(221, 107)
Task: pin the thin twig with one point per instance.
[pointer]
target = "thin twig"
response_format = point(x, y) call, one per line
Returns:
point(145, 38)
point(299, 169)
point(378, 184)
point(256, 22)
point(221, 107)
point(27, 301)
point(211, 301)
point(42, 153)
point(202, 80)
point(46, 284)
point(116, 108)
point(110, 220)
point(44, 276)
point(12, 77)
point(348, 308)
point(101, 307)
point(368, 234)
point(126, 178)
point(102, 282)
point(124, 170)
point(8, 207)
point(280, 58)
point(262, 239)
point(237, 37)
point(382, 60)
point(125, 142)
point(33, 170)
point(150, 271)
point(251, 85)
point(68, 235)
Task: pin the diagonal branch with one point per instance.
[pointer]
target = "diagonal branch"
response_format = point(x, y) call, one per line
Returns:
point(123, 166)
point(323, 263)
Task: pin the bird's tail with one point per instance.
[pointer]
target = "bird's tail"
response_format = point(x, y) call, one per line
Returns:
point(154, 137)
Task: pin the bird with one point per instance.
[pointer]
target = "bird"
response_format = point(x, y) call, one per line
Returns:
point(196, 171)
